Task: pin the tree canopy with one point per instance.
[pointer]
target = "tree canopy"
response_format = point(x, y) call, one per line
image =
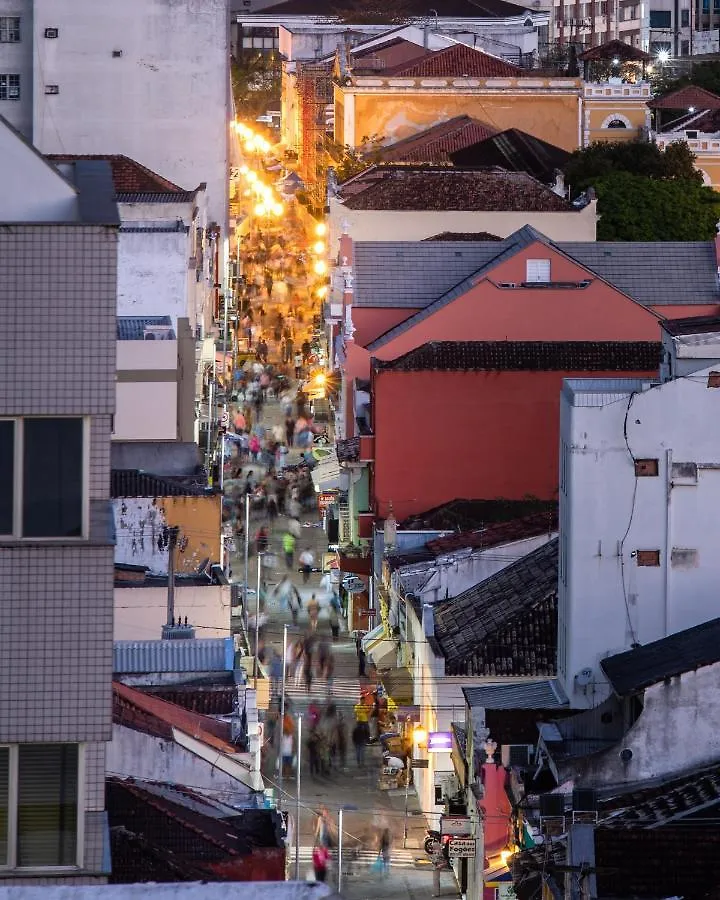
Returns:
point(705, 75)
point(255, 83)
point(636, 208)
point(600, 159)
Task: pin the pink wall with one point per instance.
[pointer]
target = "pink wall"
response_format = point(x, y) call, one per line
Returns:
point(479, 435)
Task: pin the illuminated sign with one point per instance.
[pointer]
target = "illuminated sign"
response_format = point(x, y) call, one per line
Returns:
point(439, 742)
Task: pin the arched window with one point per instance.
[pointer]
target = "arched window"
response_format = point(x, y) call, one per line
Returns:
point(616, 123)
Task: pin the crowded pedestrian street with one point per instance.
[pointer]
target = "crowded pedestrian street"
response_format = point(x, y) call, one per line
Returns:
point(296, 627)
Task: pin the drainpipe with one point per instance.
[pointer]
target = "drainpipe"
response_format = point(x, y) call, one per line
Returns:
point(668, 542)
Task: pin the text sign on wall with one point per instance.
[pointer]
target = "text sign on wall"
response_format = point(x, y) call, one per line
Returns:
point(462, 848)
point(459, 826)
point(439, 742)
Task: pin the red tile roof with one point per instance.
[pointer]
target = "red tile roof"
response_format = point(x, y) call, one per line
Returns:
point(129, 176)
point(690, 96)
point(143, 712)
point(498, 533)
point(437, 143)
point(443, 188)
point(458, 61)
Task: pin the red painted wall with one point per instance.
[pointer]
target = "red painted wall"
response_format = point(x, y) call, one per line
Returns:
point(263, 864)
point(480, 435)
point(370, 323)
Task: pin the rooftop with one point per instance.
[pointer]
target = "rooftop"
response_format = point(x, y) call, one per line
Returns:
point(690, 325)
point(497, 534)
point(516, 151)
point(685, 98)
point(530, 695)
point(669, 657)
point(435, 144)
point(132, 328)
point(142, 712)
point(423, 188)
point(201, 655)
point(130, 177)
point(614, 50)
point(468, 515)
point(330, 9)
point(463, 236)
point(507, 624)
point(348, 450)
point(558, 356)
point(458, 61)
point(136, 483)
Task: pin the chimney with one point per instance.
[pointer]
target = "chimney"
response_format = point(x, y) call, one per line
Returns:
point(559, 186)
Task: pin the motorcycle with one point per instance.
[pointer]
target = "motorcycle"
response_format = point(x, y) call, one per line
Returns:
point(432, 843)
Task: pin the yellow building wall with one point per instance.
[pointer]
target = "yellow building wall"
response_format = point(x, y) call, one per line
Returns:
point(598, 115)
point(199, 521)
point(709, 166)
point(392, 116)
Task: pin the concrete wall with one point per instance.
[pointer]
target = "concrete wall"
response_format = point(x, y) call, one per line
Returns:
point(147, 391)
point(675, 732)
point(608, 601)
point(134, 754)
point(163, 102)
point(153, 274)
point(140, 522)
point(399, 225)
point(17, 58)
point(141, 612)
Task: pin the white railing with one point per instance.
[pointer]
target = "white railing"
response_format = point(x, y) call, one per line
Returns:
point(705, 143)
point(602, 90)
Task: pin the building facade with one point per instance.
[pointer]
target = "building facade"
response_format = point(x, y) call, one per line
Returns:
point(638, 487)
point(59, 246)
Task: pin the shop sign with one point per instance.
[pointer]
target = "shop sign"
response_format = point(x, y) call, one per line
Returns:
point(439, 742)
point(419, 763)
point(457, 826)
point(326, 499)
point(462, 848)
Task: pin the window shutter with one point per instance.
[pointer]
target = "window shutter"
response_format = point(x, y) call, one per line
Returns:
point(538, 270)
point(47, 805)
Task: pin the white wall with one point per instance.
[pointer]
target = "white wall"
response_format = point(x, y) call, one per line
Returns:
point(164, 102)
point(147, 410)
point(141, 612)
point(31, 190)
point(606, 600)
point(676, 731)
point(134, 754)
point(398, 225)
point(17, 58)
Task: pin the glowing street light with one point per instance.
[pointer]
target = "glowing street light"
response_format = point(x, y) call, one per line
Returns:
point(319, 247)
point(261, 210)
point(278, 209)
point(663, 56)
point(321, 229)
point(320, 267)
point(322, 291)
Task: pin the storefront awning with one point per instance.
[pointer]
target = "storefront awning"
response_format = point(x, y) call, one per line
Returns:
point(327, 474)
point(398, 684)
point(384, 654)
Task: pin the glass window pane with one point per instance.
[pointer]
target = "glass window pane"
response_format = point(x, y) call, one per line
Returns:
point(47, 805)
point(7, 475)
point(52, 478)
point(4, 791)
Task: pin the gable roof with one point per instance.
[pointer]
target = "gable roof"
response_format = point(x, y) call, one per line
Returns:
point(615, 48)
point(516, 151)
point(507, 624)
point(692, 325)
point(669, 657)
point(458, 61)
point(400, 187)
point(130, 178)
point(497, 533)
point(685, 97)
point(437, 143)
point(156, 717)
point(329, 9)
point(547, 356)
point(465, 515)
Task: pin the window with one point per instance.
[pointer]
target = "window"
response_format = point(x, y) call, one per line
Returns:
point(685, 48)
point(39, 805)
point(537, 270)
point(660, 18)
point(41, 477)
point(646, 468)
point(9, 87)
point(647, 557)
point(616, 123)
point(9, 29)
point(684, 18)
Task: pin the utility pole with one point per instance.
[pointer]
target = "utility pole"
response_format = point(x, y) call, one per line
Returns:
point(340, 848)
point(297, 798)
point(173, 532)
point(211, 395)
point(282, 715)
point(247, 553)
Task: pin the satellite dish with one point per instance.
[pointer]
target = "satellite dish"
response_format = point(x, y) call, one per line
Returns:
point(584, 677)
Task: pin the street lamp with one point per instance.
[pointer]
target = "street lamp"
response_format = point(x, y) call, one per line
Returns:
point(321, 229)
point(320, 267)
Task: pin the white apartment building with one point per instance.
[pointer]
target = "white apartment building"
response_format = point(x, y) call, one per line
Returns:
point(639, 494)
point(144, 78)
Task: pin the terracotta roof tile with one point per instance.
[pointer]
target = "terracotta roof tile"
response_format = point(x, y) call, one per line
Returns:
point(540, 356)
point(129, 176)
point(458, 61)
point(437, 143)
point(498, 533)
point(411, 188)
point(686, 97)
point(462, 515)
point(144, 712)
point(613, 49)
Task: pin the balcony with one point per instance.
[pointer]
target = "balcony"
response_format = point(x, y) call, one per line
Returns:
point(606, 90)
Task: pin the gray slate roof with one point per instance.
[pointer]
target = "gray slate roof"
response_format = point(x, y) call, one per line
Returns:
point(669, 657)
point(656, 273)
point(507, 624)
point(530, 695)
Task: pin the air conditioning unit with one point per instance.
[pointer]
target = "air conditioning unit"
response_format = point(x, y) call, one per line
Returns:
point(507, 284)
point(51, 33)
point(516, 755)
point(158, 333)
point(52, 88)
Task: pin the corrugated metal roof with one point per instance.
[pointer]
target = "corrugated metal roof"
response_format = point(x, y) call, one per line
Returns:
point(199, 655)
point(530, 695)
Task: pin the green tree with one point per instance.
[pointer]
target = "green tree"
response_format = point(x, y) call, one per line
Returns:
point(637, 208)
point(586, 166)
point(348, 161)
point(255, 83)
point(705, 75)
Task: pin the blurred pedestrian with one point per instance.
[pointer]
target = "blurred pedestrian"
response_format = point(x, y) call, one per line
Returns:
point(359, 739)
point(288, 543)
point(321, 857)
point(313, 608)
point(307, 561)
point(334, 622)
point(384, 850)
